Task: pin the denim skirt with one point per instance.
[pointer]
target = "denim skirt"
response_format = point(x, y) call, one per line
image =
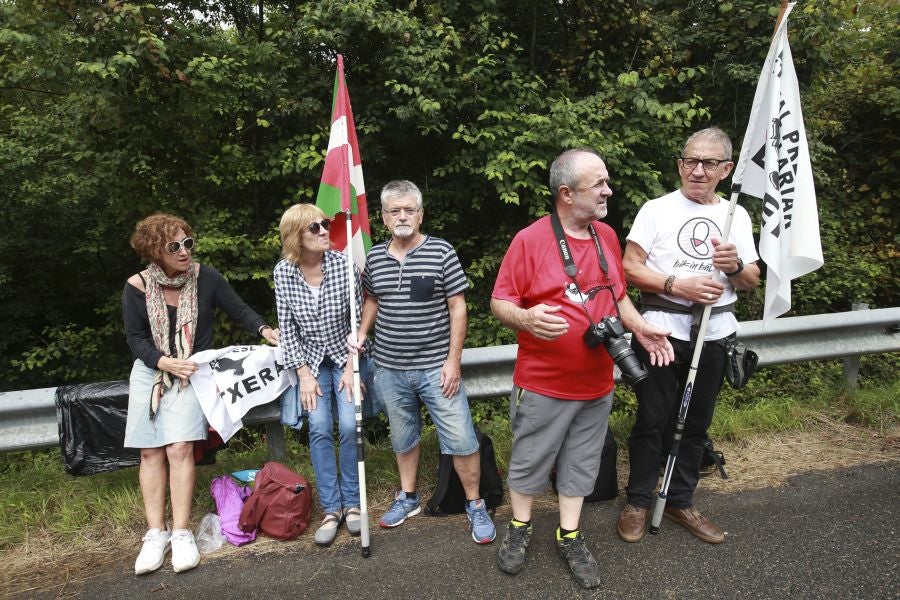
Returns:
point(178, 419)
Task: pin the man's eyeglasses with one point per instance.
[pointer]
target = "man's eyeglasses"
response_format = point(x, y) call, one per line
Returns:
point(175, 247)
point(396, 212)
point(316, 226)
point(709, 164)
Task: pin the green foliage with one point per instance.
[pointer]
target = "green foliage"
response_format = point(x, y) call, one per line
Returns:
point(111, 111)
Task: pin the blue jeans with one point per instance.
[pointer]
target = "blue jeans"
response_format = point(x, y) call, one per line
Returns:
point(292, 415)
point(401, 390)
point(321, 442)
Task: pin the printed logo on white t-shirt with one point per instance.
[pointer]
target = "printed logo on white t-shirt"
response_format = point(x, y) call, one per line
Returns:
point(695, 238)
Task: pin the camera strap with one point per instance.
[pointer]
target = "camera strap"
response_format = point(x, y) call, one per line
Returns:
point(565, 253)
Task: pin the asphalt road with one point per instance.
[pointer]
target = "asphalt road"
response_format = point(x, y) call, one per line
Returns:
point(829, 534)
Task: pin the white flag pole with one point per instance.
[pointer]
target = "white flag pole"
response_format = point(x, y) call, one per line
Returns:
point(354, 356)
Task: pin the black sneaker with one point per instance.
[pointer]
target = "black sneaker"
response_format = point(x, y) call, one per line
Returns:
point(581, 562)
point(511, 556)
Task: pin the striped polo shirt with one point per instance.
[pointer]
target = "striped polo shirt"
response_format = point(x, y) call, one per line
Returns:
point(412, 328)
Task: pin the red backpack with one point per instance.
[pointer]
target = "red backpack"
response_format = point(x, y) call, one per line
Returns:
point(280, 504)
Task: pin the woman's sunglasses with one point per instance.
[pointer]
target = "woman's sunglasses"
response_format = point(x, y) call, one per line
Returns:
point(175, 247)
point(315, 227)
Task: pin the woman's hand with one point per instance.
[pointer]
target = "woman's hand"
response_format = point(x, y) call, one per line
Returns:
point(356, 345)
point(178, 367)
point(309, 389)
point(346, 382)
point(272, 336)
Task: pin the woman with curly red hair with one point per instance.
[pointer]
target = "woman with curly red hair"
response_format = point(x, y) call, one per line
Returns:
point(168, 310)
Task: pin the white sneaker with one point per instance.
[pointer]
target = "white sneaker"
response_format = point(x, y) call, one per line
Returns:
point(153, 552)
point(185, 555)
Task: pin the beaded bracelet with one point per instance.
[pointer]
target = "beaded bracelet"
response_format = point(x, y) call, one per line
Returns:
point(667, 287)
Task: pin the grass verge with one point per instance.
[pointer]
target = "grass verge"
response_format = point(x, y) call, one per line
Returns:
point(56, 527)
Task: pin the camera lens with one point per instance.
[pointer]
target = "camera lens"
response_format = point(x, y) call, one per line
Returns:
point(632, 370)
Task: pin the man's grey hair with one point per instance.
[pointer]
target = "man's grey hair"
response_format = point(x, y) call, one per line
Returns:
point(562, 171)
point(716, 135)
point(398, 189)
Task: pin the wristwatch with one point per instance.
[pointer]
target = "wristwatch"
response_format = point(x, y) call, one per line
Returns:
point(738, 270)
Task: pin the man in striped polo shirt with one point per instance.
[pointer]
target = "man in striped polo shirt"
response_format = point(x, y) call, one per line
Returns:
point(415, 299)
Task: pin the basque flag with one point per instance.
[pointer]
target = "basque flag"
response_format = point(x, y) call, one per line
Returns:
point(342, 178)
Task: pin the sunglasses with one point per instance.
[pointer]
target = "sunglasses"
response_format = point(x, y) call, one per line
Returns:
point(175, 247)
point(315, 227)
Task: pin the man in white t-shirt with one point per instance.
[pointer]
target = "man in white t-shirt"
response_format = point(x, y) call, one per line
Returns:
point(671, 253)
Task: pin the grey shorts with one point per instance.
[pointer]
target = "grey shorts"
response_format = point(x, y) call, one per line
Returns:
point(548, 433)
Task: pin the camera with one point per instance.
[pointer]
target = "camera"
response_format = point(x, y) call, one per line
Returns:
point(611, 334)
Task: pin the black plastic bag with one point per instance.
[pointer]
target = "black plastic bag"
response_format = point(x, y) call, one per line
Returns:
point(91, 419)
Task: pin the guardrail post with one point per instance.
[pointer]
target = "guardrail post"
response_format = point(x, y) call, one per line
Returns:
point(275, 440)
point(851, 363)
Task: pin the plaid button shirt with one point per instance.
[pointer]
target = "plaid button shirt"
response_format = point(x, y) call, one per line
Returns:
point(313, 329)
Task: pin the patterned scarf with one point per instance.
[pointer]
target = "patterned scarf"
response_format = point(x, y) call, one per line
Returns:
point(185, 322)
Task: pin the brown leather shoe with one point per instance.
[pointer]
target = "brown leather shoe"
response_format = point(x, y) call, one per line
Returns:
point(693, 521)
point(633, 523)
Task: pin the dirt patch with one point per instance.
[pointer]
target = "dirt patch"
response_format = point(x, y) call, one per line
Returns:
point(769, 460)
point(47, 563)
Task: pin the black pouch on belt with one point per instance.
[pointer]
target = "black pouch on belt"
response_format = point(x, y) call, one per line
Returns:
point(740, 364)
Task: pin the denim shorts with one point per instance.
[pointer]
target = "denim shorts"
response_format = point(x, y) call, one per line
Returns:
point(401, 390)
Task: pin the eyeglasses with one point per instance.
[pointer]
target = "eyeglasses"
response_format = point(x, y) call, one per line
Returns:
point(709, 164)
point(175, 247)
point(316, 226)
point(395, 212)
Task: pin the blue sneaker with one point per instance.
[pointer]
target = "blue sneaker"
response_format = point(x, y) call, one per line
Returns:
point(483, 530)
point(400, 510)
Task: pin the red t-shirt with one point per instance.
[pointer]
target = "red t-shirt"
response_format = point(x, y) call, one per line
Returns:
point(532, 273)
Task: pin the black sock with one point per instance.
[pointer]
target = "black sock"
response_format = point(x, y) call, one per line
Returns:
point(411, 495)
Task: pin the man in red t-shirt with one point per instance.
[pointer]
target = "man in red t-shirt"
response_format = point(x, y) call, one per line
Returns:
point(563, 388)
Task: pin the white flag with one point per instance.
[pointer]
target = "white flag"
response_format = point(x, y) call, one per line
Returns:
point(230, 381)
point(774, 166)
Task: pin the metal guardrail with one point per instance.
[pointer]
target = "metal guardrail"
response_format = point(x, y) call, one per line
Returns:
point(28, 417)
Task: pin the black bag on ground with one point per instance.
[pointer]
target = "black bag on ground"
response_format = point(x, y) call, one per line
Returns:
point(449, 497)
point(607, 484)
point(710, 461)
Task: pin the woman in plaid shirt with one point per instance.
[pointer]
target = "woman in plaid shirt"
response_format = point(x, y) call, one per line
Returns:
point(312, 292)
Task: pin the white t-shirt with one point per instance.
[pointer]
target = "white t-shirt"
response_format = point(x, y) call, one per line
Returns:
point(315, 290)
point(676, 234)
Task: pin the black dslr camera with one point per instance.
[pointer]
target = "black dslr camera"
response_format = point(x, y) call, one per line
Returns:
point(610, 333)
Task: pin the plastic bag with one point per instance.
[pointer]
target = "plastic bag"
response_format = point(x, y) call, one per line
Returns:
point(230, 498)
point(209, 536)
point(91, 421)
